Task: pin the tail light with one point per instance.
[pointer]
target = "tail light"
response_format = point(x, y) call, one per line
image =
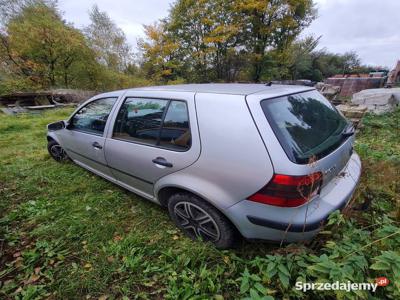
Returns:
point(289, 191)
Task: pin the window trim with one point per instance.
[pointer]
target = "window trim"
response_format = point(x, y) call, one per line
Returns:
point(86, 104)
point(169, 100)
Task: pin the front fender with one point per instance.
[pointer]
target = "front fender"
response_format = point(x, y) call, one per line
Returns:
point(53, 136)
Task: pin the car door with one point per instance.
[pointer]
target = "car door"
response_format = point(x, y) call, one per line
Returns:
point(83, 138)
point(153, 135)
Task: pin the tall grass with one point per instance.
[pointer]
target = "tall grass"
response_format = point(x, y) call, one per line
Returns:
point(68, 234)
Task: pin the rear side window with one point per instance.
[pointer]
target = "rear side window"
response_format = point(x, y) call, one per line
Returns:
point(306, 124)
point(155, 122)
point(175, 132)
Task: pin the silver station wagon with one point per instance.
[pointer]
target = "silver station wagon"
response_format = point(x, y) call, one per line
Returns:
point(228, 160)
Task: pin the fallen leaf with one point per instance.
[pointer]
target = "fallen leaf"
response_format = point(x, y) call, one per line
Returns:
point(87, 266)
point(33, 279)
point(117, 238)
point(19, 262)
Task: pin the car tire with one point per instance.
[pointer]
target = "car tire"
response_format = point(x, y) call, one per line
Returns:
point(200, 220)
point(56, 151)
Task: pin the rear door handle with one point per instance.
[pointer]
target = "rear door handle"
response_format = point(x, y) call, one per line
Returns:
point(97, 145)
point(162, 162)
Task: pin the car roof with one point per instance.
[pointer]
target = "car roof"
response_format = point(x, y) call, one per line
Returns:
point(224, 88)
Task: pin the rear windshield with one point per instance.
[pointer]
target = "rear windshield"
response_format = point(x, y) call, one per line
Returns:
point(306, 124)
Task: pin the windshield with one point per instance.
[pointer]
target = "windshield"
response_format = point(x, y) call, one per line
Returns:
point(306, 124)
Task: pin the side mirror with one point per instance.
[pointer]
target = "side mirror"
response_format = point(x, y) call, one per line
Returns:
point(56, 126)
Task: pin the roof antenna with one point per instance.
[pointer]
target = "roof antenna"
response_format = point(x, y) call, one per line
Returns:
point(269, 83)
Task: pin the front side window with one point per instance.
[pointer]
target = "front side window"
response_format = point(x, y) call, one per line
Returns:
point(155, 122)
point(92, 118)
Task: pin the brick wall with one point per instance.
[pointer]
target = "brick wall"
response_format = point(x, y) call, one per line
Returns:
point(351, 85)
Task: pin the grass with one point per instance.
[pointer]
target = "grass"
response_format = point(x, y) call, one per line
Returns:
point(68, 234)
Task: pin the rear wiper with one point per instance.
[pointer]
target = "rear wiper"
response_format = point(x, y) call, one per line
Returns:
point(349, 130)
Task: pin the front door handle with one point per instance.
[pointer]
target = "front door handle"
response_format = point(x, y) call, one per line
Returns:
point(97, 145)
point(162, 162)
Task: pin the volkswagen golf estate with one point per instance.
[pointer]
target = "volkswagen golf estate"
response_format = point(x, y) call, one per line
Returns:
point(227, 160)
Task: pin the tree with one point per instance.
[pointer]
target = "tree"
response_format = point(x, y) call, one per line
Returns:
point(108, 41)
point(300, 63)
point(39, 50)
point(209, 35)
point(305, 62)
point(159, 54)
point(11, 8)
point(272, 25)
point(218, 39)
point(331, 64)
point(38, 45)
point(351, 61)
point(189, 24)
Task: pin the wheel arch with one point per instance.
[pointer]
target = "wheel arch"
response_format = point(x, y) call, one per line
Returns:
point(52, 137)
point(164, 193)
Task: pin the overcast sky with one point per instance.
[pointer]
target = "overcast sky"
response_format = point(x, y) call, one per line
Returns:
point(369, 27)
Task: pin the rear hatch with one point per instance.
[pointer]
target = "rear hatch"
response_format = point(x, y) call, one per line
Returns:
point(303, 132)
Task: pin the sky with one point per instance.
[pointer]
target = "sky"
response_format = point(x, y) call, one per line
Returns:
point(369, 27)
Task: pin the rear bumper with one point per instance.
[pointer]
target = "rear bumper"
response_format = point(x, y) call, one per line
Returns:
point(260, 221)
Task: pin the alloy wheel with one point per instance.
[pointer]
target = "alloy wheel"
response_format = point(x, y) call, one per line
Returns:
point(196, 221)
point(58, 152)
